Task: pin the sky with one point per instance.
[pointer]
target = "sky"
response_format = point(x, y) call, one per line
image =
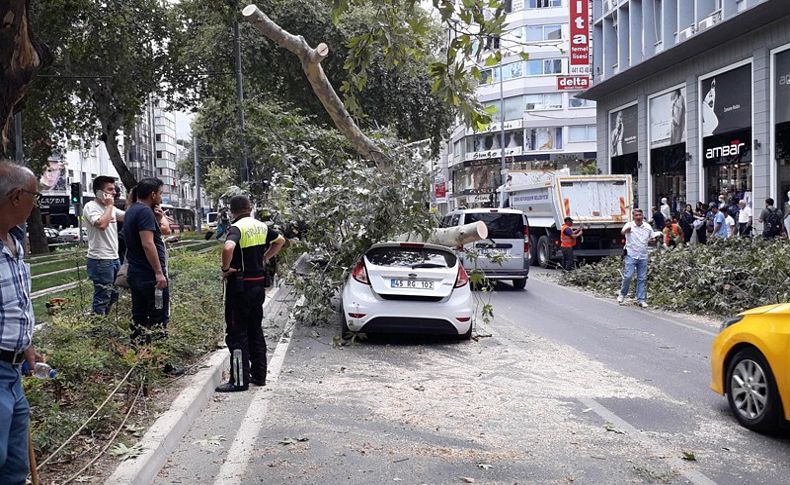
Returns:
point(183, 121)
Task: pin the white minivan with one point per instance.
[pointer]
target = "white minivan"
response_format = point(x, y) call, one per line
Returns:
point(508, 233)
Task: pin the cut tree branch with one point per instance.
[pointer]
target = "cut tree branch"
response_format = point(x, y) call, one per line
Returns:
point(322, 87)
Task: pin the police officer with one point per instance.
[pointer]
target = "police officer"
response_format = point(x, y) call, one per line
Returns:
point(248, 246)
point(568, 237)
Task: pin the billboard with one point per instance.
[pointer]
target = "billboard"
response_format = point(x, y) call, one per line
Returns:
point(54, 177)
point(622, 131)
point(726, 101)
point(782, 88)
point(580, 36)
point(668, 118)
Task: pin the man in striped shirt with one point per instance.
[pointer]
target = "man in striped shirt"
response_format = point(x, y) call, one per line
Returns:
point(18, 196)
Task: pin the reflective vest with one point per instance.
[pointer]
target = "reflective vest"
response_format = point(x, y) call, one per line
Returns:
point(566, 241)
point(253, 233)
point(672, 232)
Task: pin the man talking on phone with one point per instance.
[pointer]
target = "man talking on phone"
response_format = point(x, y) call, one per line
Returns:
point(102, 218)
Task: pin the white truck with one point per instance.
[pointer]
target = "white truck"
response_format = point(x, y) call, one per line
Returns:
point(600, 204)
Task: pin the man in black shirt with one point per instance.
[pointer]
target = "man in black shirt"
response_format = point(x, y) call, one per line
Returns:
point(248, 246)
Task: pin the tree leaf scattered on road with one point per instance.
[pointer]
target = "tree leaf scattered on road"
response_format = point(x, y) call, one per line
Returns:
point(213, 441)
point(689, 456)
point(419, 387)
point(610, 427)
point(136, 431)
point(468, 480)
point(126, 452)
point(292, 441)
point(484, 466)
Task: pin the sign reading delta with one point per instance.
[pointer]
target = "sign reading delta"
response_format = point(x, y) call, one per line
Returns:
point(580, 32)
point(572, 83)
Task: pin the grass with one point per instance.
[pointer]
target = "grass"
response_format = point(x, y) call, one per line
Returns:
point(57, 279)
point(92, 353)
point(61, 263)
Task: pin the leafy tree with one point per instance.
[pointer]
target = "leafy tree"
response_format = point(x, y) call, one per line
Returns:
point(109, 57)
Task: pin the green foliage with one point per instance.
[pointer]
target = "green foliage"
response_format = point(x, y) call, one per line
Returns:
point(720, 278)
point(92, 353)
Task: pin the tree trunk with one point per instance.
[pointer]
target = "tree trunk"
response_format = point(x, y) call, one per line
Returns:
point(127, 178)
point(21, 56)
point(35, 231)
point(451, 236)
point(322, 87)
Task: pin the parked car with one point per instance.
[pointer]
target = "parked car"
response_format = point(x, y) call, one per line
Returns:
point(750, 364)
point(399, 287)
point(51, 234)
point(508, 233)
point(72, 234)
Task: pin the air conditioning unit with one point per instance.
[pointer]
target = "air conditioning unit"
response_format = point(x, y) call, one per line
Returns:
point(685, 34)
point(708, 22)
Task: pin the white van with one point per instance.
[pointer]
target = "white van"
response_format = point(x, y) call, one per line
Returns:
point(508, 233)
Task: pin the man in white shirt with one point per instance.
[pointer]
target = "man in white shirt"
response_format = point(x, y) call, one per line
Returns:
point(102, 219)
point(730, 223)
point(665, 210)
point(638, 235)
point(744, 219)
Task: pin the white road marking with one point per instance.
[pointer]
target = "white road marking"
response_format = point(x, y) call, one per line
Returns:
point(238, 456)
point(677, 464)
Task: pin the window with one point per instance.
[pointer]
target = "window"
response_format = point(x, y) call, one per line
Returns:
point(514, 108)
point(658, 21)
point(158, 137)
point(541, 139)
point(543, 101)
point(512, 70)
point(542, 3)
point(575, 102)
point(540, 33)
point(158, 154)
point(581, 133)
point(540, 67)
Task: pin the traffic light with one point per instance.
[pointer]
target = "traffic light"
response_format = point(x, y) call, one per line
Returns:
point(76, 193)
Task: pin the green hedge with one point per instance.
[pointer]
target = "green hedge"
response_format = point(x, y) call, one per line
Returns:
point(92, 354)
point(721, 278)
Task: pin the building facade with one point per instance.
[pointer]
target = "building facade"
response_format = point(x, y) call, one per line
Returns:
point(693, 98)
point(545, 125)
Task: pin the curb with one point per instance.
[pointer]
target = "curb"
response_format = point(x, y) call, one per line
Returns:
point(164, 435)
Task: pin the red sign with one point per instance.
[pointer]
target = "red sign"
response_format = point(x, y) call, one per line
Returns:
point(572, 83)
point(580, 32)
point(440, 190)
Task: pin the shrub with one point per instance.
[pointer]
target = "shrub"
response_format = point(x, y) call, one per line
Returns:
point(721, 278)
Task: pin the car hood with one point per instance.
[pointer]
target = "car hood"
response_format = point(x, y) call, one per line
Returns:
point(777, 308)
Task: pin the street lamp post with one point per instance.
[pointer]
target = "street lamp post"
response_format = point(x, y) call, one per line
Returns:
point(503, 164)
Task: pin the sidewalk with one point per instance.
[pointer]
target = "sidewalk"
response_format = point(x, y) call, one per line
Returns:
point(198, 414)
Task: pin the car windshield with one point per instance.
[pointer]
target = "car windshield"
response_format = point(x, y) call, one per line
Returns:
point(500, 225)
point(411, 257)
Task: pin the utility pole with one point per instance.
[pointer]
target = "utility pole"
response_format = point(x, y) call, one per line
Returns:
point(503, 164)
point(244, 170)
point(198, 212)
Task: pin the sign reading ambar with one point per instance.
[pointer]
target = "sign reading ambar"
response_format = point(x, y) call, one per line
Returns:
point(572, 83)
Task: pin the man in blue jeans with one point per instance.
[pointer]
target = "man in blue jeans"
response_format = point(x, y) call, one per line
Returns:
point(18, 196)
point(638, 234)
point(143, 227)
point(102, 219)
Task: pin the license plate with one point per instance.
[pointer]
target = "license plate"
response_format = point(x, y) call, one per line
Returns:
point(418, 284)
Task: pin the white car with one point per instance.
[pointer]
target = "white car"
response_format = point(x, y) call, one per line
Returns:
point(402, 287)
point(72, 234)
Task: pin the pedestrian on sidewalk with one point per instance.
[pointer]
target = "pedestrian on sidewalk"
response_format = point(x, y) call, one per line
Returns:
point(144, 224)
point(638, 234)
point(18, 196)
point(103, 259)
point(568, 240)
point(744, 219)
point(771, 219)
point(249, 245)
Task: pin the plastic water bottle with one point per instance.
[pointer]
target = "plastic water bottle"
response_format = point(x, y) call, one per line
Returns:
point(42, 370)
point(159, 300)
point(238, 369)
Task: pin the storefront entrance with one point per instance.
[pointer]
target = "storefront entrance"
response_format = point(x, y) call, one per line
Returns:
point(668, 172)
point(628, 164)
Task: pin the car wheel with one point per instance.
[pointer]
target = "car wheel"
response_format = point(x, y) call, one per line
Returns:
point(533, 250)
point(543, 251)
point(519, 284)
point(344, 330)
point(751, 391)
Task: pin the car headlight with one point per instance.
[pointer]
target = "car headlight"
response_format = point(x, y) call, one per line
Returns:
point(730, 321)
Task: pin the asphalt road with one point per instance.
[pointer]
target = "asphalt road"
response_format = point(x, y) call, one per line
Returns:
point(562, 387)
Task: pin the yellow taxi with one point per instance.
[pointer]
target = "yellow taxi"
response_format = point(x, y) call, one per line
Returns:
point(750, 364)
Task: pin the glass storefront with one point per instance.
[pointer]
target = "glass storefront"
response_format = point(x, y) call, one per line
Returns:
point(668, 172)
point(781, 85)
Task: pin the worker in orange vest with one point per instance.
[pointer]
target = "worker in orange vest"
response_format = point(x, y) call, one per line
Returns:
point(568, 236)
